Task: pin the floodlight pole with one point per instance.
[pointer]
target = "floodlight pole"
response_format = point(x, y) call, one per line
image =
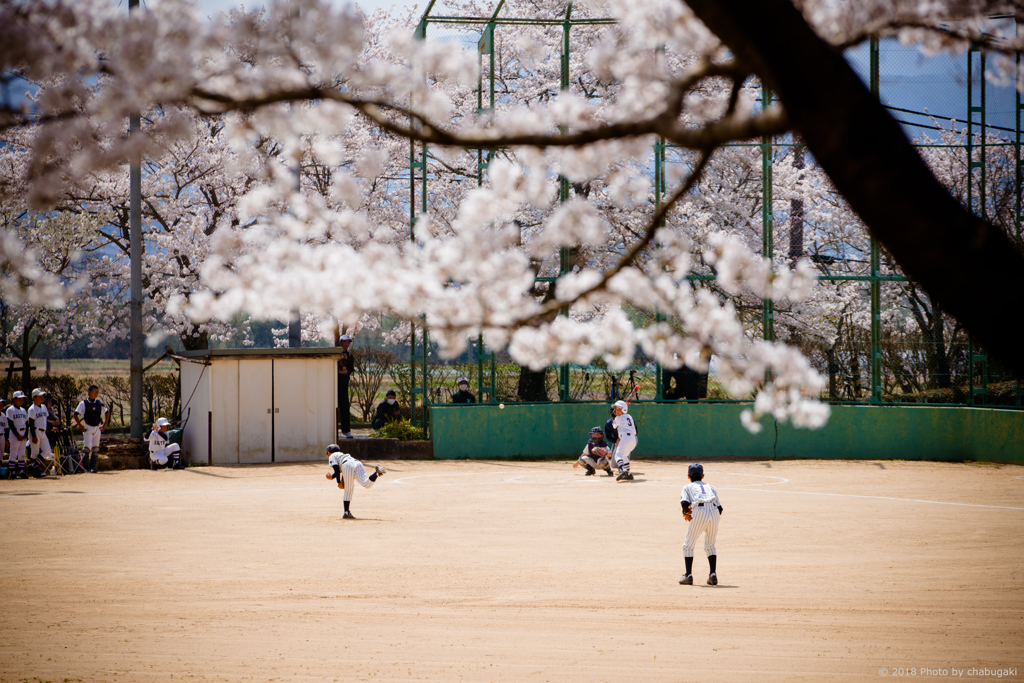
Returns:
point(135, 237)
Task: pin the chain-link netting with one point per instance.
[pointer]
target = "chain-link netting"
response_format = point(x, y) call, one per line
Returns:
point(873, 335)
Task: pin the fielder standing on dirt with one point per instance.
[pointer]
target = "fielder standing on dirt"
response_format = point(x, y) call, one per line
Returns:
point(703, 510)
point(17, 422)
point(348, 470)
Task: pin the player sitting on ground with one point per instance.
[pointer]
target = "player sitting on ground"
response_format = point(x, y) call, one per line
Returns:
point(595, 455)
point(347, 470)
point(160, 453)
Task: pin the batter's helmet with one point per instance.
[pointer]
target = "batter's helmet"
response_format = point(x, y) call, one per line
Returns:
point(695, 471)
point(334, 448)
point(621, 404)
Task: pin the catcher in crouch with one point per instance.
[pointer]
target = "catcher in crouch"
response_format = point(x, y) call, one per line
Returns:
point(348, 470)
point(596, 454)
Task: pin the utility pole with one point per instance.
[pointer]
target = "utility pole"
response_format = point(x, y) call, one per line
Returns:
point(135, 229)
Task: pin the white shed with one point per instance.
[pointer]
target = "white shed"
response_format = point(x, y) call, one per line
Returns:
point(259, 405)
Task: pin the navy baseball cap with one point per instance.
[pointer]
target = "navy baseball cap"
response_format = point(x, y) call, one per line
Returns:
point(695, 471)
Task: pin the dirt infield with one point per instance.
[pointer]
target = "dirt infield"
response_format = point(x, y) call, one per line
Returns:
point(487, 571)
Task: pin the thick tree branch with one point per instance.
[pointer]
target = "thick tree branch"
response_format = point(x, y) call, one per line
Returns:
point(968, 266)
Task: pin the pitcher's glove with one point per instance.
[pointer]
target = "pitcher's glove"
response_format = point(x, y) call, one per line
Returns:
point(687, 516)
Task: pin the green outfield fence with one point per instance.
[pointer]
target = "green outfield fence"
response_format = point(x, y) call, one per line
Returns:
point(699, 431)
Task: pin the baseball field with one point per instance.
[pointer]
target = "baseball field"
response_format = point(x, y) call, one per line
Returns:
point(514, 571)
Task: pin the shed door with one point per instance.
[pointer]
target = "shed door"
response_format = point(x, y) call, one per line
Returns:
point(255, 411)
point(304, 399)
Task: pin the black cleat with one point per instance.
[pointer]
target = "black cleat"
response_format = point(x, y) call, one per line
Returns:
point(590, 471)
point(713, 580)
point(348, 515)
point(608, 471)
point(622, 476)
point(687, 580)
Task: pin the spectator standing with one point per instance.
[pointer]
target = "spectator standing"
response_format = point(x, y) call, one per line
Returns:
point(387, 411)
point(346, 366)
point(463, 395)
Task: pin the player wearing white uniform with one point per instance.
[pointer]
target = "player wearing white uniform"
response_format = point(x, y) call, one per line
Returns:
point(3, 427)
point(160, 453)
point(92, 418)
point(38, 415)
point(347, 470)
point(702, 509)
point(17, 422)
point(625, 427)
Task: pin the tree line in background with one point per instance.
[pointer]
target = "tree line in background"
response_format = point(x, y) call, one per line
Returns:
point(276, 178)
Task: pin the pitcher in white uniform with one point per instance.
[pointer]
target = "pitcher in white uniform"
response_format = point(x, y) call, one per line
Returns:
point(347, 470)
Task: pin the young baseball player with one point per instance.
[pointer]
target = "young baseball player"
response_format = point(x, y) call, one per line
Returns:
point(595, 454)
point(92, 417)
point(38, 417)
point(625, 430)
point(160, 452)
point(347, 470)
point(702, 509)
point(3, 427)
point(17, 422)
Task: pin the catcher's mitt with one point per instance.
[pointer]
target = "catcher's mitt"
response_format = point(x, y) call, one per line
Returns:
point(601, 452)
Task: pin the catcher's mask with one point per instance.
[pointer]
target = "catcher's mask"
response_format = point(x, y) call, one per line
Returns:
point(597, 430)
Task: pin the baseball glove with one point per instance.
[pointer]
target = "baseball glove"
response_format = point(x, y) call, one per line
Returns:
point(687, 516)
point(341, 484)
point(602, 452)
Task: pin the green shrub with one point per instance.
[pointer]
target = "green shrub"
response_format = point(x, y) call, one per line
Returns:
point(402, 430)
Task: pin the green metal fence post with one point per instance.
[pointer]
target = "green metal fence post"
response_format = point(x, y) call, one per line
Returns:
point(982, 198)
point(563, 196)
point(876, 271)
point(767, 219)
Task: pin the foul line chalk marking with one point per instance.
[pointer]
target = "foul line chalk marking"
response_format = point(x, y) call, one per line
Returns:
point(854, 495)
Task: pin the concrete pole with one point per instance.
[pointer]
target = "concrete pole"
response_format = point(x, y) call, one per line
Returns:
point(135, 227)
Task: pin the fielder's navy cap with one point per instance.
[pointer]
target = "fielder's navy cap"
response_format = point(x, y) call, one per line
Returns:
point(695, 471)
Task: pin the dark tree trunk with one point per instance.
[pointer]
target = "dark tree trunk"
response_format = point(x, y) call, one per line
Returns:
point(194, 340)
point(531, 385)
point(969, 267)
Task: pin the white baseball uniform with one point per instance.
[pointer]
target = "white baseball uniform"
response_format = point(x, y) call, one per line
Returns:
point(92, 414)
point(159, 451)
point(3, 431)
point(351, 471)
point(37, 417)
point(704, 504)
point(626, 429)
point(17, 421)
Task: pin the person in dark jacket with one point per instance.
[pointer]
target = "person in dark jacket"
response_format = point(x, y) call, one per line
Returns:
point(387, 411)
point(346, 366)
point(463, 395)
